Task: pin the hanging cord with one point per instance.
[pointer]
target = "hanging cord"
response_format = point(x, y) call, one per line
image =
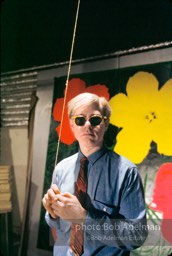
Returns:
point(67, 81)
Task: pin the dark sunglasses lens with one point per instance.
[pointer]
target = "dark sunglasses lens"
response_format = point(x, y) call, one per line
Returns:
point(80, 121)
point(95, 120)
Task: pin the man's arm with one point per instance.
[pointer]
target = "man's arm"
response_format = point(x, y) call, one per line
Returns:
point(128, 229)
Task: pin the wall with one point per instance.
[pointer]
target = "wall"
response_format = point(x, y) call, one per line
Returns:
point(14, 152)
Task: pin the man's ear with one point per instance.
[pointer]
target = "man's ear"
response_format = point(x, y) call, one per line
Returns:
point(106, 127)
point(71, 123)
point(106, 124)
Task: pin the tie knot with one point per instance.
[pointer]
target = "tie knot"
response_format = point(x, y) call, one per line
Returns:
point(83, 161)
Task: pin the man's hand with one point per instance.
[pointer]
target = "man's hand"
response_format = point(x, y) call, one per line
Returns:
point(50, 198)
point(68, 207)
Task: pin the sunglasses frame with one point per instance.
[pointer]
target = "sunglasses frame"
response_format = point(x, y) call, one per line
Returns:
point(102, 118)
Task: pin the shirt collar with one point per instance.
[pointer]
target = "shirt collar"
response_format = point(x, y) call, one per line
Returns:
point(95, 156)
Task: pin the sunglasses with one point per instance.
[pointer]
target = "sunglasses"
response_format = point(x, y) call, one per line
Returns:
point(94, 120)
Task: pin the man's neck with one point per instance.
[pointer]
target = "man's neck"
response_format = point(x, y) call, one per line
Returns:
point(88, 151)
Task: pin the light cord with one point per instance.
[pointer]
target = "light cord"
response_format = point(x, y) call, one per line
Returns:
point(67, 80)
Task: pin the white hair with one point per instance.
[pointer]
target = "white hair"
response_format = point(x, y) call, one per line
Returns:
point(85, 99)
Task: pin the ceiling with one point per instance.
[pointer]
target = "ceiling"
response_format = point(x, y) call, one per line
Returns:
point(36, 33)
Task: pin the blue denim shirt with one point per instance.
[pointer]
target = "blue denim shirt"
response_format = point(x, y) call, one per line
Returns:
point(116, 216)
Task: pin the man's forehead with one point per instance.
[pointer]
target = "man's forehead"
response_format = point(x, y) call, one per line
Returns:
point(87, 107)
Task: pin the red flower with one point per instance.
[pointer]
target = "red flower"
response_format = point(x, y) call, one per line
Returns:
point(75, 87)
point(162, 199)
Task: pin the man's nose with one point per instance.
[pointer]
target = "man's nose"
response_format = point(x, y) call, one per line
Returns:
point(87, 123)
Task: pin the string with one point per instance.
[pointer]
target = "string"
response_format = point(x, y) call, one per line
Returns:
point(67, 80)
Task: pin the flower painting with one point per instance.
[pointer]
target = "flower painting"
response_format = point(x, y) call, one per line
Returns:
point(140, 129)
point(144, 114)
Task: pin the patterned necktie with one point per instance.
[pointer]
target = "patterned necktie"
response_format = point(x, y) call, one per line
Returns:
point(76, 237)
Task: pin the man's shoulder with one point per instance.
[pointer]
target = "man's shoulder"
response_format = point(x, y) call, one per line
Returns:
point(126, 161)
point(68, 160)
point(66, 165)
point(122, 160)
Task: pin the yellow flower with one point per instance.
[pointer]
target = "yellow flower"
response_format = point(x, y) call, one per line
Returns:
point(145, 115)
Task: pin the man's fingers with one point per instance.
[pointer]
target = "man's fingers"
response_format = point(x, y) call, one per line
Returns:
point(46, 203)
point(51, 195)
point(55, 189)
point(68, 195)
point(65, 198)
point(48, 207)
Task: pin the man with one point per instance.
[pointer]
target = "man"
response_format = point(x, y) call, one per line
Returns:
point(111, 212)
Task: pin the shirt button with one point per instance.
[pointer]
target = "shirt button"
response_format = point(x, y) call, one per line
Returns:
point(104, 209)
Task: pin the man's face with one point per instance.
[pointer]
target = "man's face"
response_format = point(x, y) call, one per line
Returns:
point(88, 135)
